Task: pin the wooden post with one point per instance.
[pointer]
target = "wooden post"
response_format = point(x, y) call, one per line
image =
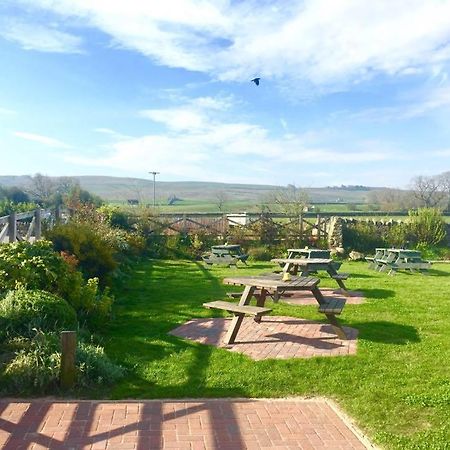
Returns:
point(68, 348)
point(12, 227)
point(318, 227)
point(58, 214)
point(301, 227)
point(37, 224)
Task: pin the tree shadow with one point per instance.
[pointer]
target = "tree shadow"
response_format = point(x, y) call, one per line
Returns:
point(437, 273)
point(378, 293)
point(386, 332)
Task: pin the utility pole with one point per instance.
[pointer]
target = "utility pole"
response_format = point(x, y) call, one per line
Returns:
point(154, 187)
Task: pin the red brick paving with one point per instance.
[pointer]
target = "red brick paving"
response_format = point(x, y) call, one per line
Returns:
point(188, 424)
point(306, 297)
point(275, 337)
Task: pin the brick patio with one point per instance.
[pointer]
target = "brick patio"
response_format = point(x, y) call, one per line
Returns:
point(306, 297)
point(189, 424)
point(275, 337)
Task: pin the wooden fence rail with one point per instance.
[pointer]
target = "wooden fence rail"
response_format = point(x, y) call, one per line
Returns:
point(26, 226)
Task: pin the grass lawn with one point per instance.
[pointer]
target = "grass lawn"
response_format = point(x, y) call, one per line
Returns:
point(397, 387)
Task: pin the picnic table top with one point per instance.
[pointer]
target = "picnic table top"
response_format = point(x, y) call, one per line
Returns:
point(226, 247)
point(307, 250)
point(274, 282)
point(302, 261)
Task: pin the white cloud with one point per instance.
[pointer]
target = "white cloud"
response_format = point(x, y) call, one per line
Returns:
point(45, 140)
point(33, 36)
point(7, 112)
point(325, 43)
point(200, 145)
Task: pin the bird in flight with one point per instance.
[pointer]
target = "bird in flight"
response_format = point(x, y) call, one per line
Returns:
point(256, 81)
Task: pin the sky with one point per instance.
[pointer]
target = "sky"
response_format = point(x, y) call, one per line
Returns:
point(351, 92)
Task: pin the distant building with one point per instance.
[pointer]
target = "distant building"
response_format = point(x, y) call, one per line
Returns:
point(238, 219)
point(133, 201)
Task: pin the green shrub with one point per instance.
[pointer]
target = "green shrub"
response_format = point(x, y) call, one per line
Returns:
point(35, 367)
point(38, 266)
point(94, 367)
point(426, 226)
point(21, 311)
point(363, 236)
point(93, 251)
point(262, 253)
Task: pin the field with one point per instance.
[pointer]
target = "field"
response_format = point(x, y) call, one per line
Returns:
point(397, 387)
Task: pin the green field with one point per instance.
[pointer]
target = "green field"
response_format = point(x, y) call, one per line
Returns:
point(397, 387)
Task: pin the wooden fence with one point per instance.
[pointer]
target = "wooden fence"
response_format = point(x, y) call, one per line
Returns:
point(220, 224)
point(26, 226)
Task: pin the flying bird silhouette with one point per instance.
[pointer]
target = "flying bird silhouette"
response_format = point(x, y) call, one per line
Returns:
point(256, 81)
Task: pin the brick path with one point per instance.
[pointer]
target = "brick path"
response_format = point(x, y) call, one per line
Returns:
point(275, 337)
point(306, 297)
point(189, 424)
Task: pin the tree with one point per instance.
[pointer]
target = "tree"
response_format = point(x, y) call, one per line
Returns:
point(41, 189)
point(221, 199)
point(428, 190)
point(292, 200)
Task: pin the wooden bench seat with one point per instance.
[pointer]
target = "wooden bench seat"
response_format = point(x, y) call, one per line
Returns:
point(340, 276)
point(333, 305)
point(238, 309)
point(239, 312)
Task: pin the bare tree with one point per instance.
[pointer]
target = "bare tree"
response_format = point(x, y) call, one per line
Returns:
point(444, 179)
point(292, 200)
point(428, 190)
point(42, 188)
point(221, 198)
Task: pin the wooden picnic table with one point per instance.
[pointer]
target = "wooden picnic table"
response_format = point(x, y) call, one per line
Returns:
point(393, 259)
point(227, 254)
point(260, 287)
point(305, 266)
point(308, 253)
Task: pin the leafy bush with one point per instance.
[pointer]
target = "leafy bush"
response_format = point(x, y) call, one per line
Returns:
point(426, 226)
point(94, 367)
point(38, 266)
point(35, 367)
point(9, 206)
point(21, 311)
point(93, 251)
point(262, 253)
point(363, 236)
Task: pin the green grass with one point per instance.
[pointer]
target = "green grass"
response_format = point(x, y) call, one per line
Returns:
point(397, 387)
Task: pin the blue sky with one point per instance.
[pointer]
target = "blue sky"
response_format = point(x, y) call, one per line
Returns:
point(351, 92)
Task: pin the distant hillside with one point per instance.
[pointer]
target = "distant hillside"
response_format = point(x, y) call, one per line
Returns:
point(121, 189)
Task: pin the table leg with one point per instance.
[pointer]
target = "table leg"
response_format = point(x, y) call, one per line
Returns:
point(332, 271)
point(318, 295)
point(336, 326)
point(233, 330)
point(236, 322)
point(260, 301)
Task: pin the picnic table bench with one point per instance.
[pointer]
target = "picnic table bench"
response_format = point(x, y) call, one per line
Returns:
point(306, 266)
point(393, 259)
point(312, 253)
point(260, 287)
point(227, 254)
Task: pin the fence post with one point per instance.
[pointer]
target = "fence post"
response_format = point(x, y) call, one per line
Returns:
point(37, 224)
point(58, 214)
point(12, 227)
point(301, 227)
point(318, 227)
point(68, 348)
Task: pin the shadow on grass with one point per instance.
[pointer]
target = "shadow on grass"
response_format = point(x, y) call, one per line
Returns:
point(386, 332)
point(437, 273)
point(383, 294)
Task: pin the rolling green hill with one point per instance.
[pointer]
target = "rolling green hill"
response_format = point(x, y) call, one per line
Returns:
point(194, 195)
